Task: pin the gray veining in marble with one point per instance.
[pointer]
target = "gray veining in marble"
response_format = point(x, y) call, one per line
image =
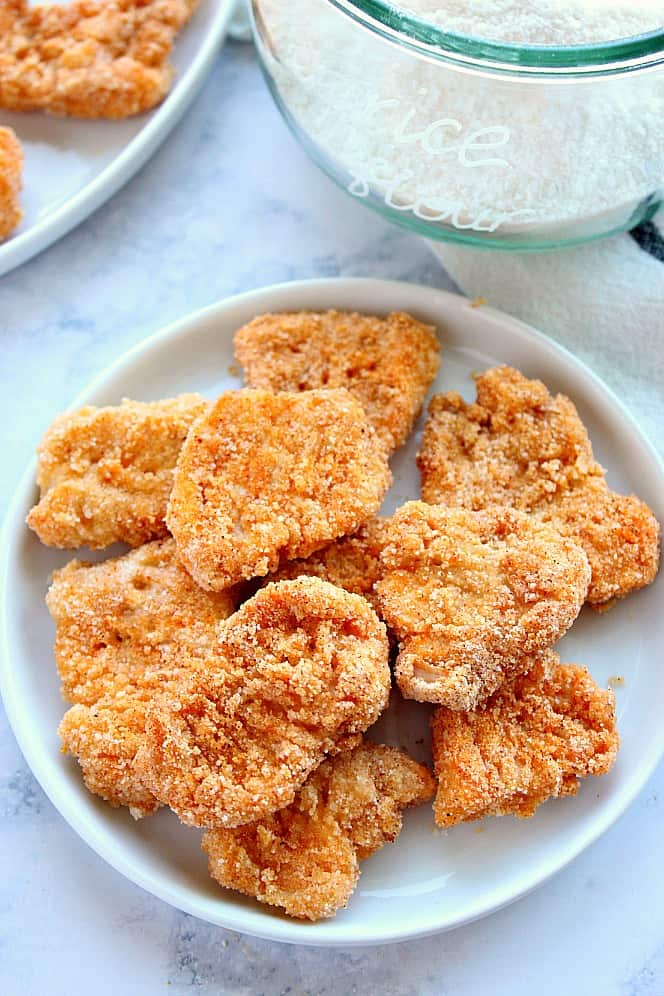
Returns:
point(230, 203)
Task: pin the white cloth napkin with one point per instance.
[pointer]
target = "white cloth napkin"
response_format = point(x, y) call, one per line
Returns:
point(603, 301)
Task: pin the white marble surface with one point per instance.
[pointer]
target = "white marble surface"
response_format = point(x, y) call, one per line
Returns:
point(230, 203)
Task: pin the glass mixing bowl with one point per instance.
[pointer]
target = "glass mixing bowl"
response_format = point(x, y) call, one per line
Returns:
point(466, 140)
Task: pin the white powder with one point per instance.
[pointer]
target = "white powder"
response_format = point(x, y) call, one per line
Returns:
point(542, 22)
point(523, 158)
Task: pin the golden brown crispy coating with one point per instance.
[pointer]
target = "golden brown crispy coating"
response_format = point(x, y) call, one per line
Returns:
point(535, 738)
point(300, 669)
point(352, 563)
point(11, 170)
point(126, 630)
point(305, 858)
point(266, 477)
point(104, 738)
point(520, 446)
point(105, 474)
point(387, 363)
point(474, 597)
point(90, 58)
point(132, 619)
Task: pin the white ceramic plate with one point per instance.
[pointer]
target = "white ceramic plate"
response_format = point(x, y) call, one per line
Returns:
point(425, 882)
point(72, 167)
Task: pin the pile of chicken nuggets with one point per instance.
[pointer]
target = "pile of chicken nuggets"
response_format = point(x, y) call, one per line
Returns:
point(230, 664)
point(95, 59)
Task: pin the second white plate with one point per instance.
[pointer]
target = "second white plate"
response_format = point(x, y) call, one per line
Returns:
point(72, 167)
point(426, 881)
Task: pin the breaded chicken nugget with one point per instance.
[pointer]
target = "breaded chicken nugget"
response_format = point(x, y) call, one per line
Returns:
point(126, 630)
point(105, 738)
point(300, 669)
point(387, 363)
point(11, 169)
point(267, 477)
point(89, 58)
point(535, 738)
point(132, 619)
point(522, 447)
point(352, 563)
point(105, 474)
point(474, 598)
point(305, 858)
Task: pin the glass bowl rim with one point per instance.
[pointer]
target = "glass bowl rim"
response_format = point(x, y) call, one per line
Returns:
point(389, 20)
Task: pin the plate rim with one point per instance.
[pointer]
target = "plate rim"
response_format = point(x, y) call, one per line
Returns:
point(261, 922)
point(58, 223)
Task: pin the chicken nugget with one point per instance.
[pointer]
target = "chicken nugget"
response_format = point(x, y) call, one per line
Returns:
point(89, 58)
point(268, 477)
point(11, 170)
point(126, 630)
point(300, 670)
point(520, 446)
point(352, 563)
point(388, 364)
point(305, 858)
point(474, 598)
point(534, 739)
point(131, 619)
point(105, 474)
point(105, 738)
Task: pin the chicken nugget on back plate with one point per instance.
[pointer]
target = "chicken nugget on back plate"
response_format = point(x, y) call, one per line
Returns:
point(534, 739)
point(474, 597)
point(264, 478)
point(11, 169)
point(105, 474)
point(300, 670)
point(305, 858)
point(89, 58)
point(520, 446)
point(387, 363)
